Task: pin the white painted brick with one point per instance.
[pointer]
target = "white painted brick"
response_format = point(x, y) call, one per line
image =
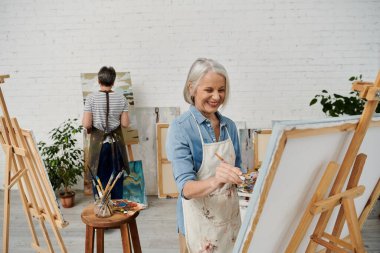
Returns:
point(279, 54)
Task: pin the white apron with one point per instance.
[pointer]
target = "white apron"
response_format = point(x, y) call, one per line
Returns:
point(213, 222)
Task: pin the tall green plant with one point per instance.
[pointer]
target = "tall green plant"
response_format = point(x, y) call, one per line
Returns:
point(62, 158)
point(336, 105)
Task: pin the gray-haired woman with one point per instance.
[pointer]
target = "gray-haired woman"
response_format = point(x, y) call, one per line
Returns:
point(203, 147)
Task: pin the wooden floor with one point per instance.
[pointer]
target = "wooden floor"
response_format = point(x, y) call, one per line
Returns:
point(156, 225)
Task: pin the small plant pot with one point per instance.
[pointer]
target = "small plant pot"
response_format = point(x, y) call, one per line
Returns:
point(67, 199)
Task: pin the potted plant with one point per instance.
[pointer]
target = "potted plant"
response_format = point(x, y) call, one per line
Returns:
point(63, 159)
point(336, 105)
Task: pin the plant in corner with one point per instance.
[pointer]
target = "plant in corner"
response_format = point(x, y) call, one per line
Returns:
point(336, 105)
point(63, 159)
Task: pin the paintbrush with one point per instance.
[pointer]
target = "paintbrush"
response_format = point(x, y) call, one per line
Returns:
point(96, 194)
point(109, 181)
point(222, 159)
point(96, 180)
point(95, 185)
point(107, 191)
point(92, 174)
point(99, 183)
point(100, 192)
point(113, 184)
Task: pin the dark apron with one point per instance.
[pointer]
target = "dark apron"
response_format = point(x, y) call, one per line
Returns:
point(97, 137)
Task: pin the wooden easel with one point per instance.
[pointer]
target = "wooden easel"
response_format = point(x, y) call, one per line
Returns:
point(260, 142)
point(25, 167)
point(165, 181)
point(337, 197)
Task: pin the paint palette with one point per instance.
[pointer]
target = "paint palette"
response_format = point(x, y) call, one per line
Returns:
point(126, 206)
point(248, 182)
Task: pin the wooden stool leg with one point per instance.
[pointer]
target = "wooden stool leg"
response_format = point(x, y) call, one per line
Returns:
point(135, 236)
point(125, 238)
point(100, 240)
point(89, 247)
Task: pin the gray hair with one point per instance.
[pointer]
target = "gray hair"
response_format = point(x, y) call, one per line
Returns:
point(199, 69)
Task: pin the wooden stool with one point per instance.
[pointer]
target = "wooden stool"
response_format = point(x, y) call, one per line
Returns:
point(126, 223)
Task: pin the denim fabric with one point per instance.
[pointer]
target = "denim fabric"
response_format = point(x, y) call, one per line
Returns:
point(105, 168)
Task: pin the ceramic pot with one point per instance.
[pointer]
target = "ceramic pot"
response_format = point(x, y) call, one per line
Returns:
point(67, 200)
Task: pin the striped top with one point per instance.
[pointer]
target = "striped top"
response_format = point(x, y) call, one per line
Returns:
point(96, 103)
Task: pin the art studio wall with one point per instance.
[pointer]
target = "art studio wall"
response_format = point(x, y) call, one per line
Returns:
point(279, 54)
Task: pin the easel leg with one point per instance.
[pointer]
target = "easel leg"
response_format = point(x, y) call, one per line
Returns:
point(10, 164)
point(7, 199)
point(370, 203)
point(353, 182)
point(46, 235)
point(28, 214)
point(130, 153)
point(307, 217)
point(353, 225)
point(58, 237)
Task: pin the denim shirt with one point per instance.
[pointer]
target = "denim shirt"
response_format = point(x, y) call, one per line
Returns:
point(184, 148)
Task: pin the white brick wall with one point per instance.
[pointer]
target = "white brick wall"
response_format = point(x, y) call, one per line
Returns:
point(279, 54)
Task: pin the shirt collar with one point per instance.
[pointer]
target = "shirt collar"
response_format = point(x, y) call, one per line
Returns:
point(200, 118)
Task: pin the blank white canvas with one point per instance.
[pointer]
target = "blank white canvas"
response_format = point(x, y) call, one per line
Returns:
point(301, 166)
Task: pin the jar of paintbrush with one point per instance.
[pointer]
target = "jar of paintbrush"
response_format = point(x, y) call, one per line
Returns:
point(103, 210)
point(103, 203)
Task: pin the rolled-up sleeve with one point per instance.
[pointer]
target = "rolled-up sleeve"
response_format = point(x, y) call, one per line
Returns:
point(88, 104)
point(125, 104)
point(179, 153)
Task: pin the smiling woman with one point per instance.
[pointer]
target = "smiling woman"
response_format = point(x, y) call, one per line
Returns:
point(208, 96)
point(208, 216)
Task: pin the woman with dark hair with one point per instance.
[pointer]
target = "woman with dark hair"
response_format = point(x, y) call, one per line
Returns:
point(105, 112)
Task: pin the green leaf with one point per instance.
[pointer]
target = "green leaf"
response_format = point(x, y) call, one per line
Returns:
point(338, 96)
point(352, 78)
point(313, 101)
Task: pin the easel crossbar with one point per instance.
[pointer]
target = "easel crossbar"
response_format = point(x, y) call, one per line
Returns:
point(328, 245)
point(16, 177)
point(335, 200)
point(337, 241)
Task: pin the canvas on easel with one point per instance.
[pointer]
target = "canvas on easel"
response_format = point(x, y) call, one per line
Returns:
point(167, 187)
point(297, 156)
point(316, 175)
point(25, 168)
point(260, 143)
